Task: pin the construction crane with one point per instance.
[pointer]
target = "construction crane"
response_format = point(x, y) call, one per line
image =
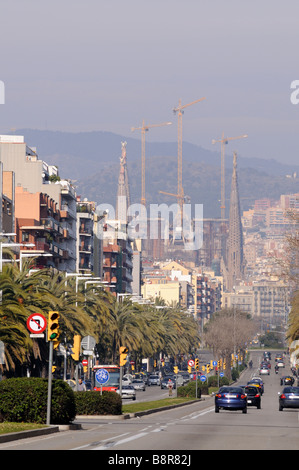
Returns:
point(144, 128)
point(224, 141)
point(180, 193)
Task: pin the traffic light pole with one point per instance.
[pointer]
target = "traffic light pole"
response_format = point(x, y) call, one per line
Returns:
point(120, 380)
point(50, 382)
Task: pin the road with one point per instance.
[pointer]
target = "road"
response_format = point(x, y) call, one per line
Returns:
point(192, 427)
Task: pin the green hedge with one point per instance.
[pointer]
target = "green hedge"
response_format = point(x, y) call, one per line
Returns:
point(189, 390)
point(93, 403)
point(25, 400)
point(213, 381)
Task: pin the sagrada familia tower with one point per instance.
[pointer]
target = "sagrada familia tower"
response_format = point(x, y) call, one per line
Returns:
point(234, 265)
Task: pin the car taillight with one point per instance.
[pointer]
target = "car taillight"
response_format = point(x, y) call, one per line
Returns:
point(282, 396)
point(243, 396)
point(257, 395)
point(218, 395)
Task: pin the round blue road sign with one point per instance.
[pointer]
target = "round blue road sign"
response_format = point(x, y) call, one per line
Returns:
point(203, 378)
point(102, 376)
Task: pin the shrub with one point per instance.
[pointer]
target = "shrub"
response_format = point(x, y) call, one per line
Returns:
point(25, 400)
point(93, 403)
point(189, 390)
point(213, 381)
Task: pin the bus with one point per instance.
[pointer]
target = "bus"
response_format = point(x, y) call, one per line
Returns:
point(113, 382)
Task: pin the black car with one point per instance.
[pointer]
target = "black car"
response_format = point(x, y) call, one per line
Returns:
point(287, 380)
point(253, 396)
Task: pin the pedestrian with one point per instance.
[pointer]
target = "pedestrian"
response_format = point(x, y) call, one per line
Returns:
point(169, 385)
point(81, 386)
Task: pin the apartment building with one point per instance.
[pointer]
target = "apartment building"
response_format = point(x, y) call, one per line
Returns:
point(38, 222)
point(89, 258)
point(263, 300)
point(207, 296)
point(34, 176)
point(7, 215)
point(117, 257)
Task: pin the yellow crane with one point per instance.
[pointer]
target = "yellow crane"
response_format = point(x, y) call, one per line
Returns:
point(180, 194)
point(224, 141)
point(144, 128)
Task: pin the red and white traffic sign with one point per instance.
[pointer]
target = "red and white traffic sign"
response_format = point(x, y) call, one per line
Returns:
point(191, 363)
point(36, 323)
point(85, 362)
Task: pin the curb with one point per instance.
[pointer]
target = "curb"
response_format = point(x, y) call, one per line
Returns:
point(24, 434)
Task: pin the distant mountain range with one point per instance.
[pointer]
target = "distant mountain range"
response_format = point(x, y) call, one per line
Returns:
point(91, 160)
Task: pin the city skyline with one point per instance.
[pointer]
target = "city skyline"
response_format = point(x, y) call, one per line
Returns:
point(98, 66)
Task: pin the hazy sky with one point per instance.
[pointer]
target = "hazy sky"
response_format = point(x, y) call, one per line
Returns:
point(109, 64)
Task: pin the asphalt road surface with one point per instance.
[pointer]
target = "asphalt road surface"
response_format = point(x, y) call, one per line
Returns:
point(191, 427)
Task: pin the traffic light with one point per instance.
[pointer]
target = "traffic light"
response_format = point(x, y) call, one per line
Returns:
point(197, 364)
point(189, 369)
point(53, 326)
point(76, 348)
point(203, 368)
point(175, 369)
point(208, 368)
point(123, 352)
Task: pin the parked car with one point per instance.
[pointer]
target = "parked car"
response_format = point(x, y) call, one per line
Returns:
point(138, 384)
point(289, 398)
point(287, 380)
point(253, 396)
point(167, 380)
point(230, 398)
point(154, 380)
point(128, 391)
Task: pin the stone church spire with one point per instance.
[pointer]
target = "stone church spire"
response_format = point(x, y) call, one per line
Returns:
point(123, 190)
point(235, 258)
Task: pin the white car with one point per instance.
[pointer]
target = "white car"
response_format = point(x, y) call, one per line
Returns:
point(280, 363)
point(264, 371)
point(128, 391)
point(126, 381)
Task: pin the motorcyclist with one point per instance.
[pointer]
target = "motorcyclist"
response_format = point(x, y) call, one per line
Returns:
point(276, 368)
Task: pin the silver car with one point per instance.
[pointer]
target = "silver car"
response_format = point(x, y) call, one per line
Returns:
point(154, 380)
point(128, 391)
point(138, 384)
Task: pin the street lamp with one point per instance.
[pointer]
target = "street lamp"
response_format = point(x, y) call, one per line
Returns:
point(10, 245)
point(32, 255)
